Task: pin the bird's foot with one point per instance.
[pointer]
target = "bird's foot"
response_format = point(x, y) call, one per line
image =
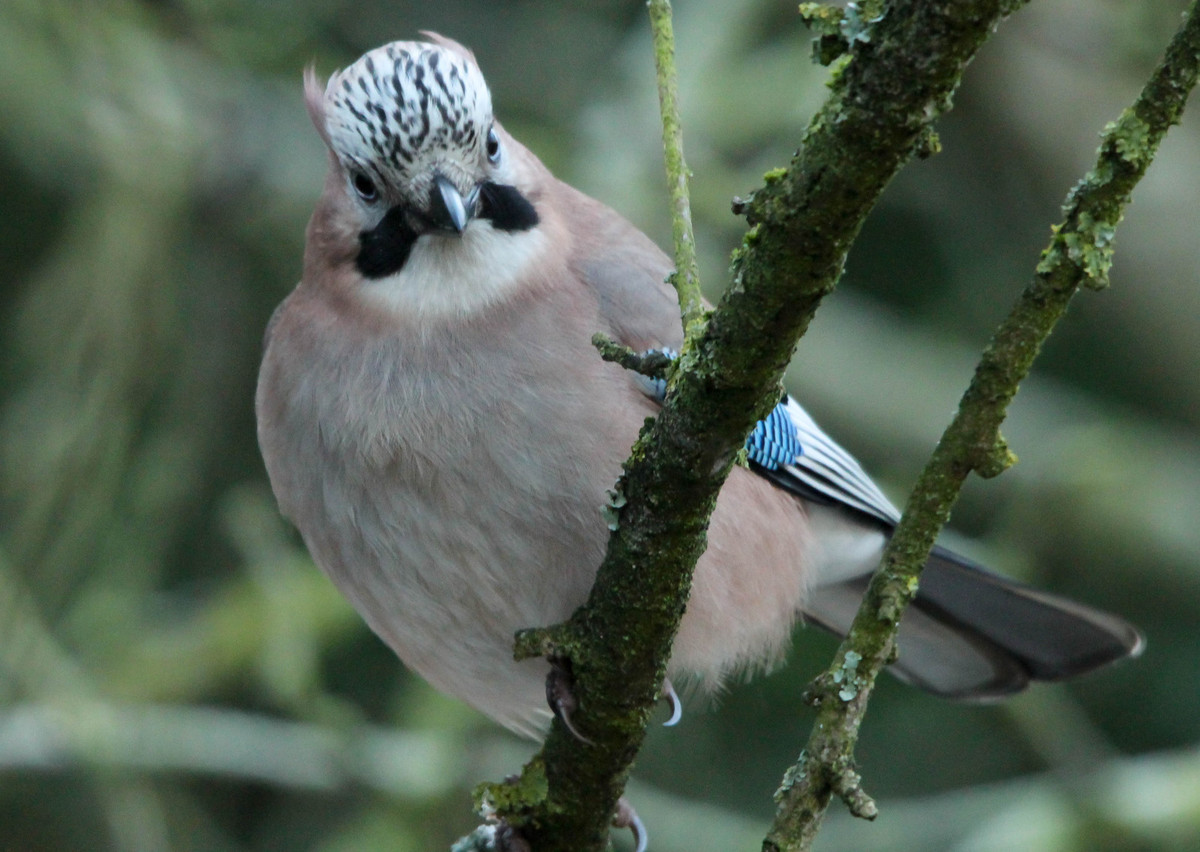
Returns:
point(626, 817)
point(669, 695)
point(508, 839)
point(560, 695)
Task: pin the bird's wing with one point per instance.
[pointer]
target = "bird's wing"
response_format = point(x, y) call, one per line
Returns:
point(625, 271)
point(642, 311)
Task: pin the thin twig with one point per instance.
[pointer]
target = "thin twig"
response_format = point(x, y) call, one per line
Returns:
point(686, 277)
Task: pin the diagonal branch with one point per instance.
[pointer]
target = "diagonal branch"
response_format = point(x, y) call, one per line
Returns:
point(1079, 254)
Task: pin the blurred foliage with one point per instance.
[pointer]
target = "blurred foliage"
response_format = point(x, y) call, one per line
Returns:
point(175, 674)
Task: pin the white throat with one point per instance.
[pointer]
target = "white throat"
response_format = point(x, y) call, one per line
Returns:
point(456, 276)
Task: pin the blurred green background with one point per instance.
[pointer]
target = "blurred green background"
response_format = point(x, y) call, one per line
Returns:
point(176, 675)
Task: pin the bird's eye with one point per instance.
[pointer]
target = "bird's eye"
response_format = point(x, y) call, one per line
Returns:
point(365, 187)
point(493, 146)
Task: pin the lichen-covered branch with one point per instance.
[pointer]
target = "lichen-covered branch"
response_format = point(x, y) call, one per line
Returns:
point(686, 276)
point(902, 67)
point(1079, 254)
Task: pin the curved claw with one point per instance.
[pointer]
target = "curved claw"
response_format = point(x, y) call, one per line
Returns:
point(669, 695)
point(626, 817)
point(508, 839)
point(564, 713)
point(559, 696)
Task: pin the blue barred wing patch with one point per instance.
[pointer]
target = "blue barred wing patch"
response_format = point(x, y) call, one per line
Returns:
point(774, 442)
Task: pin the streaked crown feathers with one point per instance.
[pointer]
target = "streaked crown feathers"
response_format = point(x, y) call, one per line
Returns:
point(402, 105)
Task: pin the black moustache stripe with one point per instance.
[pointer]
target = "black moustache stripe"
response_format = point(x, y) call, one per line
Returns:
point(384, 249)
point(506, 208)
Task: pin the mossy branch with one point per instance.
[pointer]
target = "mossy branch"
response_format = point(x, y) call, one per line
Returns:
point(1079, 255)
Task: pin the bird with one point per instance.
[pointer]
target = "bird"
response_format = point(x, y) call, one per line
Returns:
point(435, 421)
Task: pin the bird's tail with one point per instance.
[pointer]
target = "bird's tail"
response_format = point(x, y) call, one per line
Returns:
point(972, 634)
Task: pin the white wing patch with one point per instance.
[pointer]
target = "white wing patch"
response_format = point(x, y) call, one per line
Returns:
point(829, 470)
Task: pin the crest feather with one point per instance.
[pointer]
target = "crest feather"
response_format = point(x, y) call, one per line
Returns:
point(450, 44)
point(314, 101)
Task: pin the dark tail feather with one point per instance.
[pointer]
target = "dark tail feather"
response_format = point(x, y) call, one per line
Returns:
point(1051, 636)
point(976, 635)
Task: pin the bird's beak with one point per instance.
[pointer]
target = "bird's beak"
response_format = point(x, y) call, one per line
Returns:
point(448, 210)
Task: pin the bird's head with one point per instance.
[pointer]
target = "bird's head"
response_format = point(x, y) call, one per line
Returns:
point(415, 151)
